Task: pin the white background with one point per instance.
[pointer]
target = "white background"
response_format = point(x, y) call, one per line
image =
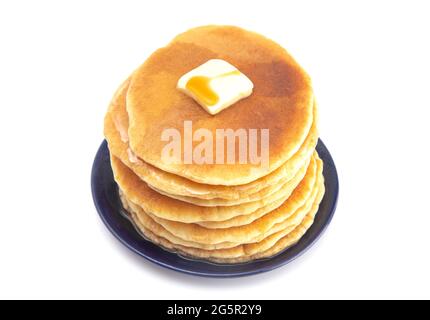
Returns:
point(60, 62)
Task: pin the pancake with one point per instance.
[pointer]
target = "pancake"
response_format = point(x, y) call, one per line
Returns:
point(264, 193)
point(116, 126)
point(290, 222)
point(224, 213)
point(242, 219)
point(259, 228)
point(175, 210)
point(268, 247)
point(282, 101)
point(149, 223)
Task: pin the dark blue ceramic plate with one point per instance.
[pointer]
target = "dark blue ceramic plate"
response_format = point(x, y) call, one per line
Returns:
point(106, 200)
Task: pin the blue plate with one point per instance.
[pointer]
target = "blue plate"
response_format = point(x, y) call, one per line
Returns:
point(107, 202)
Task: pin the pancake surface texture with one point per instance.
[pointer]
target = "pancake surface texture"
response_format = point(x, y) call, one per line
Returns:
point(282, 101)
point(218, 212)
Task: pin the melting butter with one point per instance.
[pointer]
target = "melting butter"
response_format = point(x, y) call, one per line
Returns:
point(215, 85)
point(200, 86)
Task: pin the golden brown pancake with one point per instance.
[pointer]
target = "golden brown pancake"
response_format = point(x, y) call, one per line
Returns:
point(164, 207)
point(116, 126)
point(291, 220)
point(269, 246)
point(282, 101)
point(218, 212)
point(156, 228)
point(259, 228)
point(263, 193)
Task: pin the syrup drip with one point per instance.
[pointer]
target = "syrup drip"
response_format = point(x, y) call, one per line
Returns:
point(200, 87)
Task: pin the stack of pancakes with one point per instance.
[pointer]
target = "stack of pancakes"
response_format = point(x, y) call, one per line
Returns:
point(218, 212)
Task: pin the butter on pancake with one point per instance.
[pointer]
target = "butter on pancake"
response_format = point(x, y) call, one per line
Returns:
point(215, 85)
point(281, 101)
point(217, 77)
point(177, 185)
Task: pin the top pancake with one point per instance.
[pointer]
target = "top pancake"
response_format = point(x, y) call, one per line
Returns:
point(116, 128)
point(281, 102)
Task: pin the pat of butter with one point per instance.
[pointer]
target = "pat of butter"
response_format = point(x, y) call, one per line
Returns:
point(215, 85)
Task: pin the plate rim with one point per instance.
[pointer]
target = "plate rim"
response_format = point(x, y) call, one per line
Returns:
point(95, 186)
